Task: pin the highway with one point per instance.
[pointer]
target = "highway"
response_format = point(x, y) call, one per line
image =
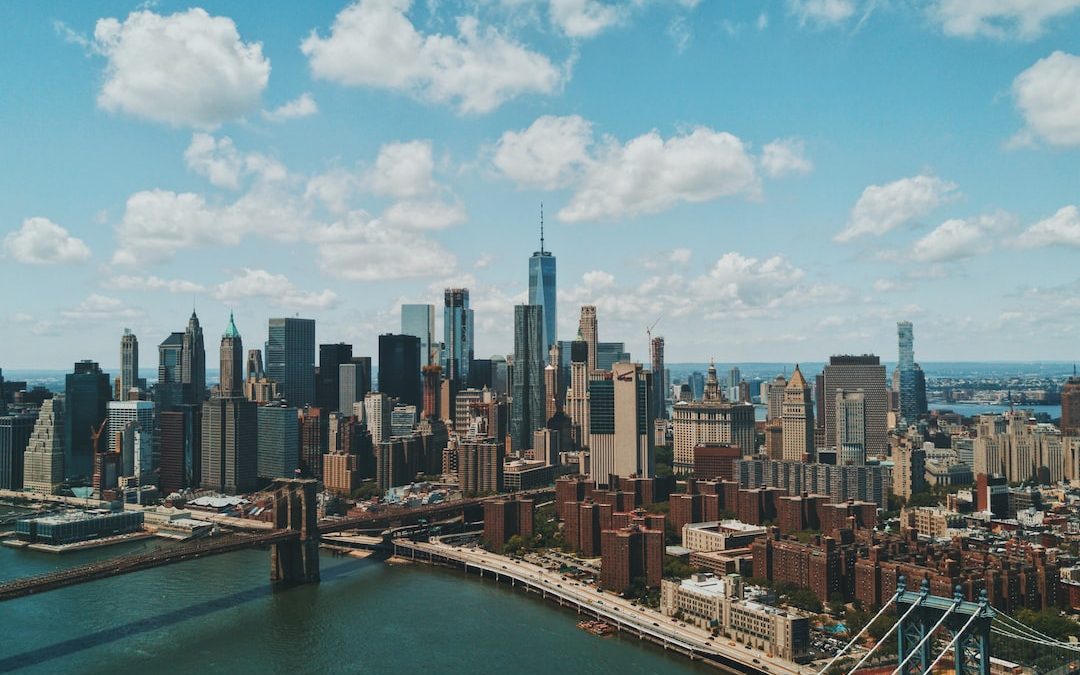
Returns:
point(616, 609)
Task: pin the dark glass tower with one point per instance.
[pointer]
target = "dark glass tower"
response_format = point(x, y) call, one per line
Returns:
point(328, 381)
point(290, 359)
point(527, 407)
point(399, 362)
point(542, 288)
point(457, 352)
point(193, 363)
point(87, 393)
point(169, 391)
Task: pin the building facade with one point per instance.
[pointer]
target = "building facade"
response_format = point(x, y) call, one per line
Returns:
point(290, 359)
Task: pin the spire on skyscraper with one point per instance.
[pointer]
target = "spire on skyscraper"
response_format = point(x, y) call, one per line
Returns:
point(541, 227)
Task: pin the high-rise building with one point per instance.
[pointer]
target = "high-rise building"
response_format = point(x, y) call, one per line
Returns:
point(129, 364)
point(43, 461)
point(399, 368)
point(610, 353)
point(587, 329)
point(354, 382)
point(659, 378)
point(328, 380)
point(314, 439)
point(279, 442)
point(797, 420)
point(859, 372)
point(577, 395)
point(733, 381)
point(403, 419)
point(15, 432)
point(258, 387)
point(377, 411)
point(542, 289)
point(480, 466)
point(621, 441)
point(135, 418)
point(710, 421)
point(419, 321)
point(232, 362)
point(180, 438)
point(850, 428)
point(86, 394)
point(457, 352)
point(1070, 407)
point(774, 401)
point(169, 390)
point(290, 359)
point(527, 407)
point(909, 411)
point(193, 363)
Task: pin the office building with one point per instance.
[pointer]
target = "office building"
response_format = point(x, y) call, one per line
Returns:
point(43, 461)
point(403, 419)
point(527, 405)
point(193, 363)
point(774, 398)
point(905, 365)
point(290, 359)
point(314, 440)
point(710, 421)
point(180, 434)
point(134, 420)
point(659, 378)
point(232, 362)
point(1070, 407)
point(621, 441)
point(15, 431)
point(850, 428)
point(542, 290)
point(398, 460)
point(610, 353)
point(328, 380)
point(577, 394)
point(587, 331)
point(129, 366)
point(169, 390)
point(419, 321)
point(457, 354)
point(354, 382)
point(851, 373)
point(278, 445)
point(377, 411)
point(86, 394)
point(399, 368)
point(259, 388)
point(230, 426)
point(797, 420)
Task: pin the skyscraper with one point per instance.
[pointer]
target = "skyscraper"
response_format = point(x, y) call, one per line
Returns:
point(86, 393)
point(850, 373)
point(588, 330)
point(712, 420)
point(15, 432)
point(659, 380)
point(377, 412)
point(290, 359)
point(1070, 407)
point(850, 428)
point(43, 462)
point(621, 419)
point(419, 321)
point(797, 419)
point(230, 425)
point(130, 417)
point(577, 396)
point(232, 362)
point(193, 362)
point(354, 382)
point(169, 390)
point(909, 410)
point(327, 384)
point(527, 405)
point(457, 353)
point(399, 368)
point(181, 448)
point(542, 288)
point(129, 364)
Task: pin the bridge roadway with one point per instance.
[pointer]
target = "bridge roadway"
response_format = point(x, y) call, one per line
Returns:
point(112, 567)
point(643, 622)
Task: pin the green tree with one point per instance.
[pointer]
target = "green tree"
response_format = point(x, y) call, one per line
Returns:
point(367, 490)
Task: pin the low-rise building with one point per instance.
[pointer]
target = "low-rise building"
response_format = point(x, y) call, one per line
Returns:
point(719, 535)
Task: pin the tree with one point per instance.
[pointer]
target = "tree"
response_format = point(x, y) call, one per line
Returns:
point(922, 499)
point(836, 602)
point(513, 545)
point(367, 490)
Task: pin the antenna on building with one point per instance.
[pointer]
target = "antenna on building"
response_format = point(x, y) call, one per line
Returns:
point(541, 227)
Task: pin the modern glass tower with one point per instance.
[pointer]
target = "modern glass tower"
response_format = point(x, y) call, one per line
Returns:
point(399, 365)
point(909, 406)
point(290, 359)
point(419, 321)
point(169, 390)
point(87, 393)
point(457, 352)
point(527, 406)
point(542, 288)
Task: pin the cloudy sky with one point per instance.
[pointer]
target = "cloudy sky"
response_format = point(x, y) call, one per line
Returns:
point(770, 180)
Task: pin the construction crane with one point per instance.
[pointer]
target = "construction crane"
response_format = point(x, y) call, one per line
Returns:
point(648, 331)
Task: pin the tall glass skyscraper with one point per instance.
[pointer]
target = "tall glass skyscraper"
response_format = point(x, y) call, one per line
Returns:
point(527, 407)
point(169, 391)
point(87, 392)
point(419, 321)
point(542, 289)
point(290, 359)
point(457, 352)
point(909, 407)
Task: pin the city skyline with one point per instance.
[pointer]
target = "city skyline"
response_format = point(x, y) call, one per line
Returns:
point(798, 220)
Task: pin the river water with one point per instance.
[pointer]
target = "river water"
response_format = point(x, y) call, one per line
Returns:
point(220, 615)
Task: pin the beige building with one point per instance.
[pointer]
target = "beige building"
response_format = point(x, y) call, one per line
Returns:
point(621, 423)
point(909, 466)
point(929, 521)
point(710, 421)
point(719, 535)
point(1020, 448)
point(797, 420)
point(43, 461)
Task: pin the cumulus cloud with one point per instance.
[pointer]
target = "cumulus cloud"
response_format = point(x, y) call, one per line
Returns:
point(821, 12)
point(649, 174)
point(184, 69)
point(1060, 229)
point(882, 208)
point(584, 18)
point(960, 238)
point(1022, 19)
point(549, 154)
point(156, 223)
point(403, 170)
point(1048, 96)
point(98, 307)
point(127, 282)
point(890, 286)
point(785, 156)
point(372, 43)
point(42, 242)
point(744, 281)
point(219, 161)
point(273, 288)
point(363, 249)
point(302, 106)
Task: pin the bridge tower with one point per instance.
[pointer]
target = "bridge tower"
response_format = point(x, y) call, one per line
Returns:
point(296, 561)
point(967, 626)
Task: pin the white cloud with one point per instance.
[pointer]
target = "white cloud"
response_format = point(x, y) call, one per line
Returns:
point(185, 69)
point(100, 308)
point(275, 289)
point(649, 174)
point(373, 43)
point(403, 170)
point(584, 18)
point(368, 250)
point(890, 286)
point(126, 282)
point(744, 282)
point(680, 255)
point(301, 106)
point(882, 208)
point(1023, 19)
point(1048, 96)
point(549, 154)
point(762, 21)
point(597, 279)
point(785, 156)
point(42, 242)
point(960, 238)
point(224, 166)
point(424, 215)
point(333, 189)
point(1060, 229)
point(821, 12)
point(157, 223)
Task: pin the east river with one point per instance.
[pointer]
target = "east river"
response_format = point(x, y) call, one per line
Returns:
point(220, 615)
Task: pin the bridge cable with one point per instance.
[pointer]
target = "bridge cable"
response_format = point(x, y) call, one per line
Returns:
point(974, 615)
point(926, 637)
point(858, 635)
point(1029, 633)
point(1031, 640)
point(893, 627)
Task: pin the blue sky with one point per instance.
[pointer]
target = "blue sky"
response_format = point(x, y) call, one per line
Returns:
point(771, 180)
